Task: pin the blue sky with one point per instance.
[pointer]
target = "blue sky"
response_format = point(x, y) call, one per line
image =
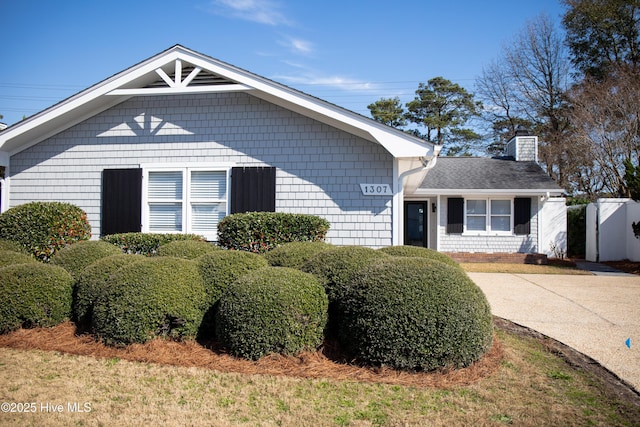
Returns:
point(349, 52)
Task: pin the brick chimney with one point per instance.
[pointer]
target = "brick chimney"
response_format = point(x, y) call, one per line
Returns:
point(523, 147)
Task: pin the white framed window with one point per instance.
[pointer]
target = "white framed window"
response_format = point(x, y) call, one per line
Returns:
point(189, 199)
point(488, 215)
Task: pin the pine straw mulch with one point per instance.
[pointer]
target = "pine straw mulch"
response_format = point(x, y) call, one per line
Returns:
point(323, 364)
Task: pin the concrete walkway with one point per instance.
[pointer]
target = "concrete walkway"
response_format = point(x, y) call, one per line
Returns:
point(595, 315)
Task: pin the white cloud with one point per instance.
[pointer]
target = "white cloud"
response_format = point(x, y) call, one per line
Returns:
point(337, 82)
point(297, 46)
point(262, 11)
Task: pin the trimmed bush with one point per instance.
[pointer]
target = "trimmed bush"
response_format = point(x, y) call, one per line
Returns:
point(221, 268)
point(92, 282)
point(161, 296)
point(420, 252)
point(12, 258)
point(272, 310)
point(295, 254)
point(415, 314)
point(8, 245)
point(187, 249)
point(43, 228)
point(336, 267)
point(260, 232)
point(34, 294)
point(74, 258)
point(145, 243)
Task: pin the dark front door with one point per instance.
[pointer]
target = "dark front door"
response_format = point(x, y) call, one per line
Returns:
point(415, 224)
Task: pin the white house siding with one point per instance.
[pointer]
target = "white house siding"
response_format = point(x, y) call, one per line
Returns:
point(487, 243)
point(319, 168)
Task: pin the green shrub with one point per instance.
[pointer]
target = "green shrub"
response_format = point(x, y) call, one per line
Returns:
point(335, 267)
point(188, 249)
point(414, 314)
point(43, 228)
point(576, 231)
point(11, 258)
point(262, 231)
point(161, 296)
point(74, 258)
point(145, 243)
point(8, 245)
point(271, 310)
point(34, 294)
point(221, 268)
point(295, 254)
point(92, 282)
point(420, 252)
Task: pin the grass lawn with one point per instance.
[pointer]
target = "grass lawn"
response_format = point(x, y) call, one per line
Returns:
point(481, 267)
point(531, 386)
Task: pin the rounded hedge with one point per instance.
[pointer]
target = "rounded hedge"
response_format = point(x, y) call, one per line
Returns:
point(146, 243)
point(43, 228)
point(295, 254)
point(161, 296)
point(263, 231)
point(221, 268)
point(34, 294)
point(11, 258)
point(92, 281)
point(336, 267)
point(272, 310)
point(415, 314)
point(74, 258)
point(188, 249)
point(9, 245)
point(420, 252)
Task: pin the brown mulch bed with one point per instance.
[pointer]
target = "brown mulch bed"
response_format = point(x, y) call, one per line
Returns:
point(626, 266)
point(320, 364)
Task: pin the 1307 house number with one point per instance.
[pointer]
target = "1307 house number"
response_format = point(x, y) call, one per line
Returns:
point(375, 189)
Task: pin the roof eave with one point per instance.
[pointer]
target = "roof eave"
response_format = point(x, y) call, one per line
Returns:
point(489, 191)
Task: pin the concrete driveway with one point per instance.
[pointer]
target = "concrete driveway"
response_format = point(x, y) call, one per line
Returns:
point(595, 315)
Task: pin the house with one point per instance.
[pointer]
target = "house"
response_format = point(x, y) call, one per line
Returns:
point(489, 205)
point(180, 140)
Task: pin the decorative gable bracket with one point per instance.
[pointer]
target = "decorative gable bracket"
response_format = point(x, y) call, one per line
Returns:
point(183, 79)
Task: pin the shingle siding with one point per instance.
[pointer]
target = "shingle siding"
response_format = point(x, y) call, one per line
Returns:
point(488, 243)
point(319, 168)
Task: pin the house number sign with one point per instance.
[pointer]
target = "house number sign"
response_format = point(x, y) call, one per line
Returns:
point(375, 189)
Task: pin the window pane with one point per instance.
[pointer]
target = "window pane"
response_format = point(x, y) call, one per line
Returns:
point(208, 185)
point(501, 207)
point(478, 207)
point(205, 217)
point(500, 223)
point(165, 185)
point(476, 223)
point(165, 217)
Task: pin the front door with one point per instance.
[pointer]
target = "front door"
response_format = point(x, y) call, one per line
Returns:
point(415, 224)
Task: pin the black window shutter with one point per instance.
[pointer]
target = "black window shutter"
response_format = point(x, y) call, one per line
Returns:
point(522, 215)
point(455, 215)
point(121, 200)
point(253, 189)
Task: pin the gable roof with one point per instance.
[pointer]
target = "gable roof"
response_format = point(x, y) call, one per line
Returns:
point(459, 175)
point(179, 70)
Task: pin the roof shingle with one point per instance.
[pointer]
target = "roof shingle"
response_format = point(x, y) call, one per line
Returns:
point(479, 173)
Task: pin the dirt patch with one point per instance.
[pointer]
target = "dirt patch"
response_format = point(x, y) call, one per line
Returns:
point(325, 363)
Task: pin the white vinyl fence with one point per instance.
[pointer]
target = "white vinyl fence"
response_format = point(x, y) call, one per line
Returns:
point(609, 233)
